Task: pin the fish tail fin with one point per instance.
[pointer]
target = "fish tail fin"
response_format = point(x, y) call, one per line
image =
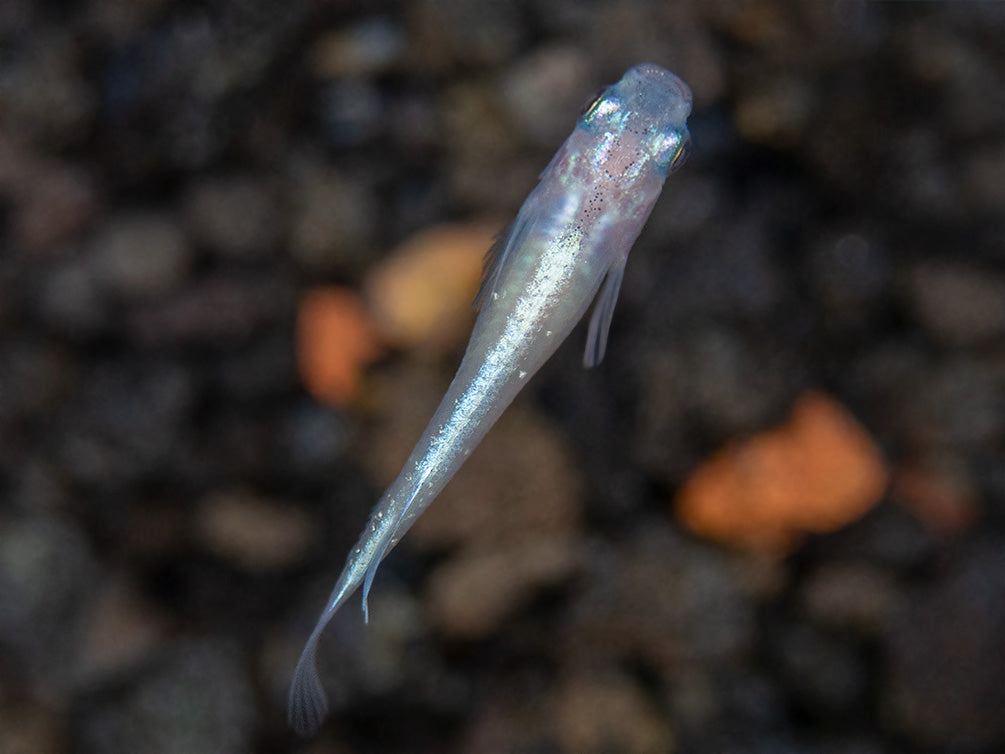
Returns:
point(307, 704)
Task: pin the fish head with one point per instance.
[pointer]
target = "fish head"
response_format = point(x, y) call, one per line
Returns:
point(642, 120)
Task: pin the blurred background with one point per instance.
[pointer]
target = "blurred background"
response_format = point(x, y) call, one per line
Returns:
point(238, 245)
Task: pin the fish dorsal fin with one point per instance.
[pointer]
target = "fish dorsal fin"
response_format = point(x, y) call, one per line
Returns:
point(603, 312)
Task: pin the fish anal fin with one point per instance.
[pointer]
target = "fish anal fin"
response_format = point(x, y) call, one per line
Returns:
point(603, 312)
point(371, 571)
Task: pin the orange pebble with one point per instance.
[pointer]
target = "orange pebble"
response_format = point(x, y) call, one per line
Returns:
point(335, 342)
point(815, 473)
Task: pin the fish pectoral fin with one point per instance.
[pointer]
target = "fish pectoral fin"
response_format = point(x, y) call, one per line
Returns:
point(493, 261)
point(603, 312)
point(511, 237)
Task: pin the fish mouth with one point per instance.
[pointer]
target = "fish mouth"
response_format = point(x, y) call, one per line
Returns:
point(673, 83)
point(679, 88)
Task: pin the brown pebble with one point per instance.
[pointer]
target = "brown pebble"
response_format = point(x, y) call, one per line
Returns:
point(942, 498)
point(850, 596)
point(604, 712)
point(960, 304)
point(252, 532)
point(472, 593)
point(421, 294)
point(235, 215)
point(140, 254)
point(31, 729)
point(121, 629)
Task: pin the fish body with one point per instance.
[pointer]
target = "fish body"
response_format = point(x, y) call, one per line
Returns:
point(572, 235)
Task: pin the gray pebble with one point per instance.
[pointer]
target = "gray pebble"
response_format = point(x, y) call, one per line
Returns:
point(47, 575)
point(954, 404)
point(216, 309)
point(71, 300)
point(688, 603)
point(692, 282)
point(546, 91)
point(369, 47)
point(334, 219)
point(827, 676)
point(33, 375)
point(946, 671)
point(197, 698)
point(850, 277)
point(43, 94)
point(447, 32)
point(263, 369)
point(125, 421)
point(960, 305)
point(234, 216)
point(710, 379)
point(54, 206)
point(313, 436)
point(853, 596)
point(984, 181)
point(140, 254)
point(352, 110)
point(479, 141)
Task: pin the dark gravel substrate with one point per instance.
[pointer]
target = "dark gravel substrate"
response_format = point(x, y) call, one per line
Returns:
point(175, 506)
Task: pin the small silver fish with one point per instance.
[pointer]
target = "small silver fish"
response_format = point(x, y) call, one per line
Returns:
point(573, 232)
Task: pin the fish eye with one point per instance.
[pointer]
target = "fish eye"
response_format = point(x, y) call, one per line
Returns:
point(592, 102)
point(682, 154)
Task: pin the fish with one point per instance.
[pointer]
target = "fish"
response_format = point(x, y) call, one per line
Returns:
point(567, 246)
